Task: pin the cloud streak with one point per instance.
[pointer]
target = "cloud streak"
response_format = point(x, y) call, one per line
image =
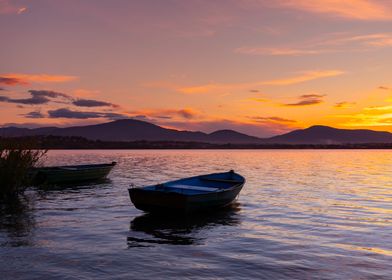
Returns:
point(300, 78)
point(271, 119)
point(366, 42)
point(65, 113)
point(344, 105)
point(13, 79)
point(34, 115)
point(92, 103)
point(349, 9)
point(39, 97)
point(375, 116)
point(186, 113)
point(306, 100)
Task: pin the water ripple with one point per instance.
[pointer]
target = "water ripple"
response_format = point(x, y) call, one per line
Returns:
point(301, 215)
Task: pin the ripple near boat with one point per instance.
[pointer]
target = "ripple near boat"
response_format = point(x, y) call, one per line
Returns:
point(188, 195)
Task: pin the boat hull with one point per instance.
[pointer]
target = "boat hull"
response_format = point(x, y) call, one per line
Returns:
point(159, 202)
point(72, 174)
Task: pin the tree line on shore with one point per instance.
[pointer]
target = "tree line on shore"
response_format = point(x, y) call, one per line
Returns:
point(61, 142)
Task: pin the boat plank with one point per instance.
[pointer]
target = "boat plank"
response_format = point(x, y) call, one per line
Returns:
point(196, 188)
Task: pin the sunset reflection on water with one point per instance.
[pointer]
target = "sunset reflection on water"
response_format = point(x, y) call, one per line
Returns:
point(302, 214)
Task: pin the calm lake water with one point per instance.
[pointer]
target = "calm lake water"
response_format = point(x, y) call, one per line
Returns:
point(303, 214)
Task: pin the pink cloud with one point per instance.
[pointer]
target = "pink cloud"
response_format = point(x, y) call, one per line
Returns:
point(7, 7)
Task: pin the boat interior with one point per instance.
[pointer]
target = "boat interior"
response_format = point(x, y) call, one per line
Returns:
point(200, 184)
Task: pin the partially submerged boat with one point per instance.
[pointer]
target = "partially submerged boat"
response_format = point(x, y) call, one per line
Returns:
point(188, 195)
point(71, 173)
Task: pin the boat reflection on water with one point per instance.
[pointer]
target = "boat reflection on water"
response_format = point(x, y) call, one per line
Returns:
point(149, 229)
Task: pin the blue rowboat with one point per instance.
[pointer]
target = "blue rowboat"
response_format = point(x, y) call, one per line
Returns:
point(71, 173)
point(188, 195)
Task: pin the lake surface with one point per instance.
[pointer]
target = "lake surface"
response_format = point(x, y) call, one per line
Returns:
point(303, 214)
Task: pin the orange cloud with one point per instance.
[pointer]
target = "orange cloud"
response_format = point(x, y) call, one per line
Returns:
point(379, 110)
point(277, 51)
point(11, 81)
point(271, 119)
point(369, 117)
point(303, 77)
point(350, 9)
point(38, 78)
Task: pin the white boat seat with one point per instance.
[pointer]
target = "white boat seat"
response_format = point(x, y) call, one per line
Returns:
point(196, 188)
point(220, 180)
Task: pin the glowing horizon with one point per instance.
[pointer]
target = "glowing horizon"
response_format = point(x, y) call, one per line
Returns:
point(258, 67)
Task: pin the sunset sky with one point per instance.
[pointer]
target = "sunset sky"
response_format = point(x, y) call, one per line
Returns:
point(257, 66)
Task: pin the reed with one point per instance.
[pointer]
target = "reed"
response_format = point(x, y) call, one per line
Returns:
point(16, 163)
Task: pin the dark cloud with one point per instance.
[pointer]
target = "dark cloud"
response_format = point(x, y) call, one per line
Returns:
point(305, 102)
point(34, 115)
point(254, 90)
point(383, 88)
point(11, 81)
point(34, 100)
point(142, 118)
point(70, 114)
point(307, 99)
point(312, 96)
point(92, 103)
point(38, 97)
point(186, 113)
point(48, 93)
point(3, 98)
point(2, 88)
point(272, 119)
point(344, 104)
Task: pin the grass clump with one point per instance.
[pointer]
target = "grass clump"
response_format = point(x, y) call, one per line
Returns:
point(17, 161)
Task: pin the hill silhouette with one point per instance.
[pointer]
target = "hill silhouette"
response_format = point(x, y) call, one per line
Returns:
point(136, 130)
point(319, 134)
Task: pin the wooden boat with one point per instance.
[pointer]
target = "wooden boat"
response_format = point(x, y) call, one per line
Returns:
point(190, 194)
point(71, 173)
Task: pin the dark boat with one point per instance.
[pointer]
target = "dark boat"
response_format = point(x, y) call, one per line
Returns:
point(71, 173)
point(189, 195)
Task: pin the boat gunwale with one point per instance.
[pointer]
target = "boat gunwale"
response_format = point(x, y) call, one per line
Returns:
point(81, 167)
point(220, 191)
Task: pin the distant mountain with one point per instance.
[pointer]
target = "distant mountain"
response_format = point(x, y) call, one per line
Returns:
point(221, 136)
point(135, 130)
point(328, 135)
